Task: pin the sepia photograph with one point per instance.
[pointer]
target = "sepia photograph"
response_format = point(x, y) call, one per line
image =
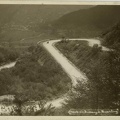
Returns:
point(59, 60)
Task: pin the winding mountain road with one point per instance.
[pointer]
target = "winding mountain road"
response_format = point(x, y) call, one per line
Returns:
point(73, 72)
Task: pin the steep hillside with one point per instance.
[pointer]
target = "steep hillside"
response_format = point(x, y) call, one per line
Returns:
point(111, 37)
point(89, 22)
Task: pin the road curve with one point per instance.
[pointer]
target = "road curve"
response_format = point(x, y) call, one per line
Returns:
point(73, 72)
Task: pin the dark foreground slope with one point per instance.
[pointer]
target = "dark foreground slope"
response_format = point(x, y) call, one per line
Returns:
point(88, 22)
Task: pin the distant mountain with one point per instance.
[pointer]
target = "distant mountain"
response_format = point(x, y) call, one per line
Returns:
point(111, 37)
point(88, 22)
point(34, 14)
point(23, 20)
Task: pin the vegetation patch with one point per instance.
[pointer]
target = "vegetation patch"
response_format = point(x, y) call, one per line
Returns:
point(36, 76)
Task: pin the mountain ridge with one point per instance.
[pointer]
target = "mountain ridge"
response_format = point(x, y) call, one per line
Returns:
point(88, 22)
